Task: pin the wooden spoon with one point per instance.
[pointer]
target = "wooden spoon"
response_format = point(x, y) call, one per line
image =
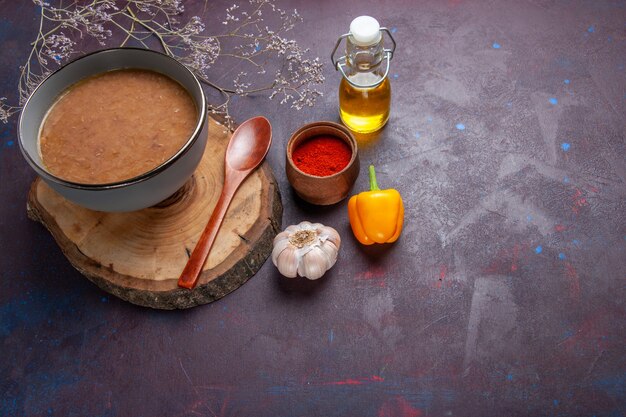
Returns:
point(246, 150)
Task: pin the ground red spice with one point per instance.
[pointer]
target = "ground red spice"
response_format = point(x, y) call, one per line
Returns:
point(322, 155)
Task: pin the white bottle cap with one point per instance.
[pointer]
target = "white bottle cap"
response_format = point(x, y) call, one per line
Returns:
point(365, 31)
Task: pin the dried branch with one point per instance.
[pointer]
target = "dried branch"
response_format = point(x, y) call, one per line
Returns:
point(254, 47)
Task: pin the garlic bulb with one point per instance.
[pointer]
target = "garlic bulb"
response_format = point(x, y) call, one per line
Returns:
point(306, 249)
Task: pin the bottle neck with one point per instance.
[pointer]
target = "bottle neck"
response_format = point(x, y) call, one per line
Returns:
point(364, 58)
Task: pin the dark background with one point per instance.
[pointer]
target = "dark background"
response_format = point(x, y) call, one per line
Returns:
point(504, 295)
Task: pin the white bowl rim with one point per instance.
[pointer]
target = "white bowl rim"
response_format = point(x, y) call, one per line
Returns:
point(139, 178)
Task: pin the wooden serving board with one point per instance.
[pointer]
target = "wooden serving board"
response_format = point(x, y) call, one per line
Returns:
point(138, 256)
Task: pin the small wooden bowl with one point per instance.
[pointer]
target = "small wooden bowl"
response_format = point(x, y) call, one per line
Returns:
point(322, 190)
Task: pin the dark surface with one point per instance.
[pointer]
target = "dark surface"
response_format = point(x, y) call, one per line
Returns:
point(504, 295)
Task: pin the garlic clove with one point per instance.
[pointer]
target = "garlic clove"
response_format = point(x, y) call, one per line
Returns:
point(332, 235)
point(279, 246)
point(305, 225)
point(287, 263)
point(284, 235)
point(314, 264)
point(330, 250)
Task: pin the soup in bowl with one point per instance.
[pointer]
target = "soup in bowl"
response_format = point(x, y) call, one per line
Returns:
point(117, 130)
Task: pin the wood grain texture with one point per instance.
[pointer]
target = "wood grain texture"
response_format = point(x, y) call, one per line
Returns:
point(139, 255)
point(246, 150)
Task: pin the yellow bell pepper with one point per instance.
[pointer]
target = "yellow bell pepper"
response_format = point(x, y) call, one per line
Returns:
point(376, 216)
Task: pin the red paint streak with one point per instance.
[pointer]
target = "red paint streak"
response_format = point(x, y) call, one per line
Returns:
point(398, 407)
point(592, 189)
point(375, 276)
point(591, 334)
point(235, 318)
point(574, 282)
point(346, 382)
point(560, 228)
point(515, 257)
point(208, 398)
point(224, 408)
point(494, 267)
point(360, 381)
point(507, 260)
point(443, 270)
point(579, 201)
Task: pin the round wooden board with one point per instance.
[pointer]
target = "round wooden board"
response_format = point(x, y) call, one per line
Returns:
point(138, 256)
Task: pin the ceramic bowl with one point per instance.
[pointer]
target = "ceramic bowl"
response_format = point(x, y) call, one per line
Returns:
point(135, 193)
point(322, 190)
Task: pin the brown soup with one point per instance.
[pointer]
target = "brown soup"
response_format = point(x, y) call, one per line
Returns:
point(115, 126)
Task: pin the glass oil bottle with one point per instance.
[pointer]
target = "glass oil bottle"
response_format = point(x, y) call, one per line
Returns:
point(364, 91)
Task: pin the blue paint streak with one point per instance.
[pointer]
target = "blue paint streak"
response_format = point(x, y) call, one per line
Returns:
point(495, 45)
point(566, 180)
point(565, 146)
point(529, 218)
point(9, 143)
point(48, 387)
point(614, 386)
point(566, 81)
point(509, 104)
point(417, 135)
point(414, 390)
point(591, 29)
point(395, 76)
point(394, 30)
point(553, 101)
point(509, 377)
point(460, 126)
point(577, 242)
point(104, 299)
point(29, 311)
point(422, 399)
point(430, 119)
point(257, 48)
point(538, 249)
point(564, 62)
point(280, 390)
point(9, 406)
point(561, 256)
point(555, 402)
point(331, 336)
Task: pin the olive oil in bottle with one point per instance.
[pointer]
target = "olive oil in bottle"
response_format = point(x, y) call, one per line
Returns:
point(364, 110)
point(364, 91)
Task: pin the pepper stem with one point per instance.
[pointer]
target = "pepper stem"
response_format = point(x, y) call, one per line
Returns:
point(373, 183)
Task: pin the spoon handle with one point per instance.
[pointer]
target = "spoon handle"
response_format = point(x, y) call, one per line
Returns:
point(189, 277)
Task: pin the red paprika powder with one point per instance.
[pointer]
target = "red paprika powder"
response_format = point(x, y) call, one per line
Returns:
point(322, 155)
